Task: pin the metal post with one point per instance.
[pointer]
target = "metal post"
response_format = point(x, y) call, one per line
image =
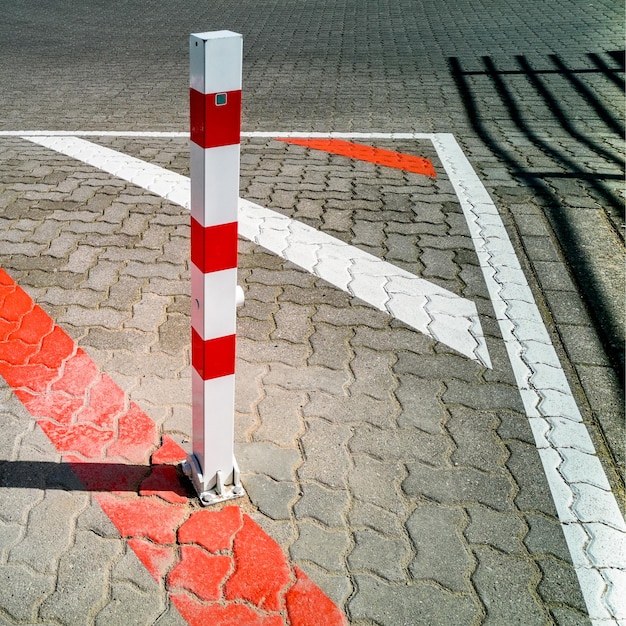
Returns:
point(215, 111)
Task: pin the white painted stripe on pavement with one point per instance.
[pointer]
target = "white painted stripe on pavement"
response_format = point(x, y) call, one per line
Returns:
point(182, 135)
point(424, 306)
point(590, 517)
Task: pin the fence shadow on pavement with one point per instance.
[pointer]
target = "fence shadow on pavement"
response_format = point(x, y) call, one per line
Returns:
point(586, 162)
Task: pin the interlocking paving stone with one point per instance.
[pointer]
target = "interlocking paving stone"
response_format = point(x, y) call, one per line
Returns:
point(390, 604)
point(505, 597)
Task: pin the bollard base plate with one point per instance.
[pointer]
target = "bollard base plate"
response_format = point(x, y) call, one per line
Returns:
point(220, 492)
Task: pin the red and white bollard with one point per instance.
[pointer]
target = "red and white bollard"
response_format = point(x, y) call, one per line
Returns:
point(215, 107)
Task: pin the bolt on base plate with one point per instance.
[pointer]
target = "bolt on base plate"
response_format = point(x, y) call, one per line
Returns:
point(220, 492)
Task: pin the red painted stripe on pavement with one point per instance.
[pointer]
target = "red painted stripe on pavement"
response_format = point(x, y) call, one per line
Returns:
point(379, 156)
point(213, 248)
point(214, 124)
point(218, 567)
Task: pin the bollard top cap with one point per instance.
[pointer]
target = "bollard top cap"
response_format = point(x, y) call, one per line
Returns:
point(216, 34)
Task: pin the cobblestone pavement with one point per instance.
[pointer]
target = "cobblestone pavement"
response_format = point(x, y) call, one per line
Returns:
point(400, 476)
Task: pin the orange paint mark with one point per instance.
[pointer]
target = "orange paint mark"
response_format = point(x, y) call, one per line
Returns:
point(156, 559)
point(198, 614)
point(213, 530)
point(305, 601)
point(200, 572)
point(360, 152)
point(261, 571)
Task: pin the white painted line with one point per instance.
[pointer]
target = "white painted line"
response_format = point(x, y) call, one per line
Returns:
point(182, 135)
point(590, 517)
point(424, 306)
point(93, 133)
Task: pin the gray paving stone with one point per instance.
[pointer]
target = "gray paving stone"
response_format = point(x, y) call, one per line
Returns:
point(435, 531)
point(559, 586)
point(476, 440)
point(486, 397)
point(421, 407)
point(21, 590)
point(10, 534)
point(248, 388)
point(51, 526)
point(400, 444)
point(533, 496)
point(326, 548)
point(130, 571)
point(438, 368)
point(129, 605)
point(515, 426)
point(326, 457)
point(501, 530)
point(280, 417)
point(92, 520)
point(286, 359)
point(354, 408)
point(148, 313)
point(543, 538)
point(377, 482)
point(504, 593)
point(272, 498)
point(267, 458)
point(417, 603)
point(103, 317)
point(459, 486)
point(329, 346)
point(79, 593)
point(327, 506)
point(372, 373)
point(313, 377)
point(380, 555)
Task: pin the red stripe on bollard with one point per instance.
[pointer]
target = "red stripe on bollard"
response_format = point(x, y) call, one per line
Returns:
point(215, 118)
point(213, 248)
point(213, 358)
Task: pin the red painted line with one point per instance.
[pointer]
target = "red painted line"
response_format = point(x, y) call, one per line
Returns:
point(218, 567)
point(387, 158)
point(213, 248)
point(214, 124)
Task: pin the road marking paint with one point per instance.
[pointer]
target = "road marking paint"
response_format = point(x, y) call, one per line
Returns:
point(185, 135)
point(592, 523)
point(361, 152)
point(109, 442)
point(424, 306)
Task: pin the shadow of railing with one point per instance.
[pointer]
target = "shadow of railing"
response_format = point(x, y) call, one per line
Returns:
point(608, 162)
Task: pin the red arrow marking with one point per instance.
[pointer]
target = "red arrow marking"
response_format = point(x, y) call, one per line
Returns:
point(210, 562)
point(387, 158)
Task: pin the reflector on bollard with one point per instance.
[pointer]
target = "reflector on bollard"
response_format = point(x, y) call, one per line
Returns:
point(215, 111)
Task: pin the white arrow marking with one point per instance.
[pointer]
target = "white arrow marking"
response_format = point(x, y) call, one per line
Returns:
point(424, 306)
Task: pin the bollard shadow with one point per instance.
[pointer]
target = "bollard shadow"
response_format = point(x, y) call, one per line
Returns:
point(584, 165)
point(94, 477)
